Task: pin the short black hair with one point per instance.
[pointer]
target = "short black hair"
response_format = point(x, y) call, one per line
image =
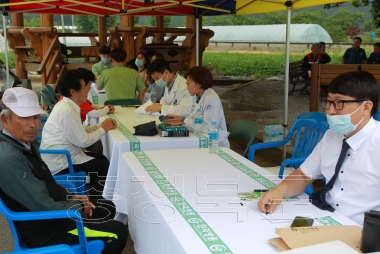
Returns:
point(322, 43)
point(159, 56)
point(69, 80)
point(377, 44)
point(118, 55)
point(357, 84)
point(104, 50)
point(357, 38)
point(131, 64)
point(158, 66)
point(87, 75)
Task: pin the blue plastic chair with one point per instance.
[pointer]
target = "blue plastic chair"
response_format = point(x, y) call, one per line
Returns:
point(309, 129)
point(83, 246)
point(60, 249)
point(78, 178)
point(377, 116)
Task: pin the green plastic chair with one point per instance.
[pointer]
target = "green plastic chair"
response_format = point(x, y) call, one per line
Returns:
point(50, 89)
point(50, 97)
point(123, 102)
point(244, 129)
point(46, 100)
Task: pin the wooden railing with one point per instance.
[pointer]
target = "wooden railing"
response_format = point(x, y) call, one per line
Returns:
point(323, 74)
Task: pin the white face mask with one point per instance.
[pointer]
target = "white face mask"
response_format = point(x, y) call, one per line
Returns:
point(342, 124)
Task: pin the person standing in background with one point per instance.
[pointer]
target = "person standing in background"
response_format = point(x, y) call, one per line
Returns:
point(325, 57)
point(356, 54)
point(374, 57)
point(142, 61)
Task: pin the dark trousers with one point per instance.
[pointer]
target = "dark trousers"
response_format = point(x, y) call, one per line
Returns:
point(97, 147)
point(101, 220)
point(97, 169)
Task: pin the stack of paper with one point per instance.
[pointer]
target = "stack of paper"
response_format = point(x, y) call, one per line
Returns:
point(141, 109)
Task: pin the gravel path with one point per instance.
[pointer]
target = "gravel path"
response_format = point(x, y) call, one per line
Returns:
point(264, 101)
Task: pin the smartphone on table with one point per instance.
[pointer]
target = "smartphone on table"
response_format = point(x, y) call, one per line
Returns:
point(300, 221)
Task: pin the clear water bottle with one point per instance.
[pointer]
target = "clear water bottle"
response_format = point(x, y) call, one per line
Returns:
point(213, 138)
point(153, 95)
point(198, 120)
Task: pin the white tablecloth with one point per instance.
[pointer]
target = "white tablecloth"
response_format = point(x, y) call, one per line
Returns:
point(151, 187)
point(96, 96)
point(121, 140)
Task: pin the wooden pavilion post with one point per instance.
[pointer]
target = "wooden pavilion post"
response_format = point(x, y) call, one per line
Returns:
point(128, 37)
point(102, 31)
point(18, 22)
point(159, 37)
point(190, 23)
point(47, 21)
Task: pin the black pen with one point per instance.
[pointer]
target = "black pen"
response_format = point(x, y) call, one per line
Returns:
point(260, 190)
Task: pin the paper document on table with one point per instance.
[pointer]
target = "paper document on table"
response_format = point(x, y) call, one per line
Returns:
point(96, 88)
point(141, 109)
point(287, 211)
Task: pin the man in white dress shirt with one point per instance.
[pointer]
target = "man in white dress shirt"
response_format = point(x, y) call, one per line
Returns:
point(177, 99)
point(64, 130)
point(352, 101)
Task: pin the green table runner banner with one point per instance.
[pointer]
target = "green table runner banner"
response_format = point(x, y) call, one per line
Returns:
point(134, 141)
point(203, 140)
point(205, 233)
point(94, 96)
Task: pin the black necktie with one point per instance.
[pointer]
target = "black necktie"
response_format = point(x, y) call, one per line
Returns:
point(318, 198)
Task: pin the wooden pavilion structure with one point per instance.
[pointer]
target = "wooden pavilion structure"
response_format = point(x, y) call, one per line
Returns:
point(38, 49)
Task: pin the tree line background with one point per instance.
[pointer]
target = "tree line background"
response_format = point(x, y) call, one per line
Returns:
point(341, 21)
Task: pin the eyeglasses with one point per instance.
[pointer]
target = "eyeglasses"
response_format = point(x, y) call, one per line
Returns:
point(189, 81)
point(337, 104)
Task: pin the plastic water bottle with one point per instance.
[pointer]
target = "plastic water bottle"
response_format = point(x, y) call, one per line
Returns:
point(213, 138)
point(198, 120)
point(153, 95)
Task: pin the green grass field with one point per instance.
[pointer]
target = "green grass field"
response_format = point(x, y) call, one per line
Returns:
point(260, 64)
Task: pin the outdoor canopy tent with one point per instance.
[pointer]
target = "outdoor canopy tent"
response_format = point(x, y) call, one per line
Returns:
point(170, 8)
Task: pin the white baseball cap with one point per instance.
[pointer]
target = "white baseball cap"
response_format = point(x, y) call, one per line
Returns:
point(23, 102)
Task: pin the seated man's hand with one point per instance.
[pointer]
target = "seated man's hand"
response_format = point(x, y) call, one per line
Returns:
point(109, 124)
point(271, 199)
point(111, 109)
point(81, 198)
point(155, 107)
point(88, 207)
point(174, 120)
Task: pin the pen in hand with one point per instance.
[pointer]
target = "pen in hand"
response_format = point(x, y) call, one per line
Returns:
point(267, 207)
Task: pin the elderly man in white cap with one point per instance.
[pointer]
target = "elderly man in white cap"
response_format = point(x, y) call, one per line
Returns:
point(26, 183)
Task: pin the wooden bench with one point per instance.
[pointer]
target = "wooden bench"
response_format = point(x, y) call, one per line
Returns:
point(295, 78)
point(323, 74)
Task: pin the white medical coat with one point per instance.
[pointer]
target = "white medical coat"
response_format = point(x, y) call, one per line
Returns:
point(178, 101)
point(212, 110)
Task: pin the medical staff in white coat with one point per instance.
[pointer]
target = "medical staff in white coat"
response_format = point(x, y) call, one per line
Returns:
point(199, 81)
point(177, 99)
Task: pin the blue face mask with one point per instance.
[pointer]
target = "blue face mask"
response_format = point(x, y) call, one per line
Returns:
point(105, 60)
point(139, 63)
point(342, 124)
point(161, 82)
